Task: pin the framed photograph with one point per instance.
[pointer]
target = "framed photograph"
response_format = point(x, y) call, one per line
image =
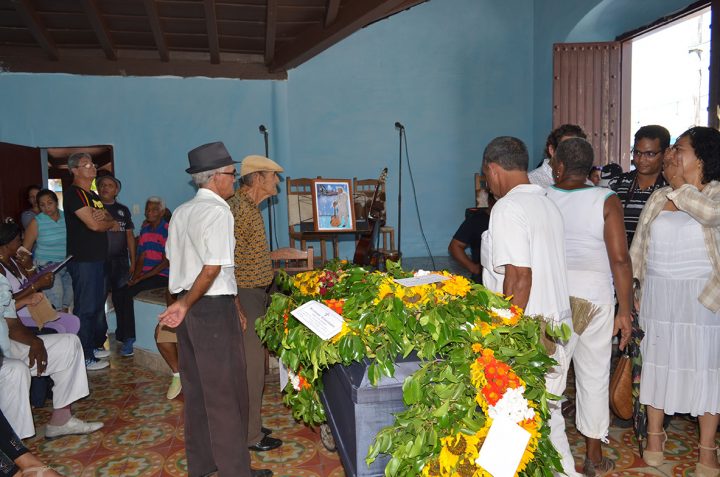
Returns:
point(333, 205)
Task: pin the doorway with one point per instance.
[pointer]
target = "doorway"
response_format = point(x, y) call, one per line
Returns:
point(670, 82)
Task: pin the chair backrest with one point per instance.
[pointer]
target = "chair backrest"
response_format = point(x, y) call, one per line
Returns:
point(299, 194)
point(363, 191)
point(292, 260)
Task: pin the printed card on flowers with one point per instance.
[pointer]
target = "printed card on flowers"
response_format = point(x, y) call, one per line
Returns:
point(321, 320)
point(421, 280)
point(503, 448)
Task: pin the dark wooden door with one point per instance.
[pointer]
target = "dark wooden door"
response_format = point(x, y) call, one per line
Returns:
point(20, 167)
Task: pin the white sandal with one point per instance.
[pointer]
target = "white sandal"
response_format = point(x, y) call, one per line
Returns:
point(36, 471)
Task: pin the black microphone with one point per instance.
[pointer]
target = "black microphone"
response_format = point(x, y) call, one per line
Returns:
point(398, 125)
point(263, 129)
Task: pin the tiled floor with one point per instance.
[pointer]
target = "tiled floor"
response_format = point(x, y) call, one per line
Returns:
point(143, 435)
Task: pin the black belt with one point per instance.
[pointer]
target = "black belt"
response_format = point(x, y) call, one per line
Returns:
point(185, 292)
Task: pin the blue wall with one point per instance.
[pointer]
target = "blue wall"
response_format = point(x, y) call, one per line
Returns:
point(560, 21)
point(456, 72)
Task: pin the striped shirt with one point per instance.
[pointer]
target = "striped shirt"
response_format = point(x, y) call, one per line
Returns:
point(51, 245)
point(253, 267)
point(151, 243)
point(633, 198)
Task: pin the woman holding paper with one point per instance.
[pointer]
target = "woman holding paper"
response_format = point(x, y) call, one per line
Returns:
point(46, 232)
point(18, 269)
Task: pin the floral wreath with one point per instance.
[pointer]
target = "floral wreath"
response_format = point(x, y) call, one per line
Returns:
point(481, 358)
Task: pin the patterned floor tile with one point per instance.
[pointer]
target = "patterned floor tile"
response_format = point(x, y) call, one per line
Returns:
point(144, 435)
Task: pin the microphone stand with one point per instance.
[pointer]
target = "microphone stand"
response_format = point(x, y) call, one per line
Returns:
point(263, 130)
point(401, 131)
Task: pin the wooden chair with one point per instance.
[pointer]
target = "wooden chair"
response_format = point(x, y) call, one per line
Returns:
point(363, 191)
point(300, 218)
point(292, 260)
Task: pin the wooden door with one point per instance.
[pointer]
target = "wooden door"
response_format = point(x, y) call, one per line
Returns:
point(587, 92)
point(21, 167)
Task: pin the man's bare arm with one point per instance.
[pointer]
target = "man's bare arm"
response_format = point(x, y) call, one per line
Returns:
point(517, 283)
point(95, 221)
point(175, 313)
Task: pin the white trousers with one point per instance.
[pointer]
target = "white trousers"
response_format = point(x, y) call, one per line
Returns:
point(66, 367)
point(555, 381)
point(591, 359)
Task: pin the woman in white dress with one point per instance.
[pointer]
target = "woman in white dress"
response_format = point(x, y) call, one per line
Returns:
point(676, 257)
point(598, 269)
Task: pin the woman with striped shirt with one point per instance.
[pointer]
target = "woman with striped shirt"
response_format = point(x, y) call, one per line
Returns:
point(46, 232)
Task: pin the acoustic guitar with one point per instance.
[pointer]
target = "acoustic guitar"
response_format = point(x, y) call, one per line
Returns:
point(365, 248)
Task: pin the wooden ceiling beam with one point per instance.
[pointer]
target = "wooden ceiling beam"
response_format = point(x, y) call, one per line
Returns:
point(316, 39)
point(131, 63)
point(101, 31)
point(154, 19)
point(212, 31)
point(331, 11)
point(270, 30)
point(33, 22)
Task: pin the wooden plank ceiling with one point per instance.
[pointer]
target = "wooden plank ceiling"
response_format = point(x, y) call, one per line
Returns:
point(249, 39)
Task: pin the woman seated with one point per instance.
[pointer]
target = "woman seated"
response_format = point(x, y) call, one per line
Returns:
point(46, 232)
point(676, 258)
point(151, 271)
point(18, 269)
point(597, 256)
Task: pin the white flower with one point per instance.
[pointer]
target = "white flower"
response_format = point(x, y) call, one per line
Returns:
point(294, 379)
point(513, 406)
point(421, 273)
point(504, 313)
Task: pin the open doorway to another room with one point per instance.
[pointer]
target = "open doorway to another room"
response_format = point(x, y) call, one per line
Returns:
point(58, 175)
point(670, 75)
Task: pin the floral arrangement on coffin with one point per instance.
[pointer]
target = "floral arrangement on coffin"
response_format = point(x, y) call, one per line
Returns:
point(481, 358)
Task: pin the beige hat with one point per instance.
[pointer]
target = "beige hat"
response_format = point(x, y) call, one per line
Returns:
point(258, 163)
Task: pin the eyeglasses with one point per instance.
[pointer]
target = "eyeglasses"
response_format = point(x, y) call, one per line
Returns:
point(648, 154)
point(87, 165)
point(234, 174)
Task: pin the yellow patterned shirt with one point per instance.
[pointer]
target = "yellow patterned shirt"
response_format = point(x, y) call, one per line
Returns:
point(253, 267)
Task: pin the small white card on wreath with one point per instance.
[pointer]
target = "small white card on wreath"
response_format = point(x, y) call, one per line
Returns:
point(421, 280)
point(321, 320)
point(503, 448)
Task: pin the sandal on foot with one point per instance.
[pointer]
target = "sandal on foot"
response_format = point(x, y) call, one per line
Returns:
point(592, 469)
point(702, 470)
point(655, 458)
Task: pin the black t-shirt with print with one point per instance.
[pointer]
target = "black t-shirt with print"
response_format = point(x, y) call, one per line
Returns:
point(82, 243)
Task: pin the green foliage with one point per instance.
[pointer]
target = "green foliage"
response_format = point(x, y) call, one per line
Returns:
point(440, 396)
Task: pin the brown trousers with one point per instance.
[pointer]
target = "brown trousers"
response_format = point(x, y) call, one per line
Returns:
point(212, 371)
point(254, 301)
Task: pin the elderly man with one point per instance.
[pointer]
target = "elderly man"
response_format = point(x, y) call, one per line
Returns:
point(86, 221)
point(200, 249)
point(253, 272)
point(120, 263)
point(523, 256)
point(58, 356)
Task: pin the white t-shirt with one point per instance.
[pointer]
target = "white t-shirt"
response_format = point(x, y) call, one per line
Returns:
point(542, 176)
point(7, 310)
point(526, 230)
point(583, 212)
point(201, 233)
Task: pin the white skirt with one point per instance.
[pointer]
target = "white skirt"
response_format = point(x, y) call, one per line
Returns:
point(681, 348)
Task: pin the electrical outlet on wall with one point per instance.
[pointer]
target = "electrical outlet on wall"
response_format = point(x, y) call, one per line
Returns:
point(136, 209)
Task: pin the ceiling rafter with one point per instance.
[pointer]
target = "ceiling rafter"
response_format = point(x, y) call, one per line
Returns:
point(101, 31)
point(331, 12)
point(212, 31)
point(154, 19)
point(355, 15)
point(270, 30)
point(37, 28)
